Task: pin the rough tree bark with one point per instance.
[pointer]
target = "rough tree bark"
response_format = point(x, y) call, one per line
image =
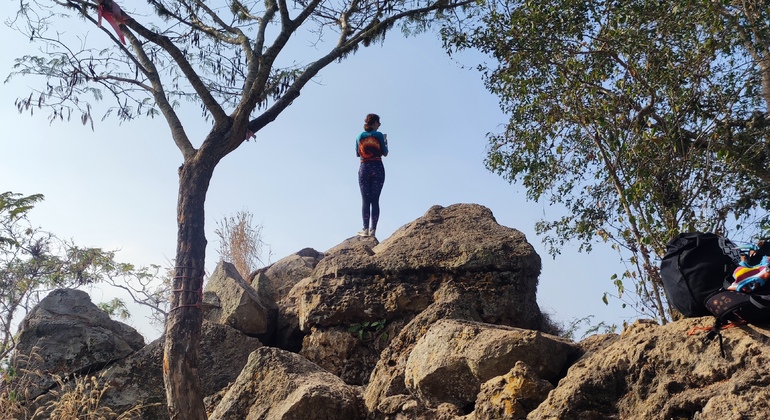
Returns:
point(183, 325)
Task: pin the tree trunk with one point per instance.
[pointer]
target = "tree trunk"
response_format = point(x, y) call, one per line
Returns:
point(183, 325)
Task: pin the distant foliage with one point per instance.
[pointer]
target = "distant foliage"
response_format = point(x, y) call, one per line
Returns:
point(148, 286)
point(34, 262)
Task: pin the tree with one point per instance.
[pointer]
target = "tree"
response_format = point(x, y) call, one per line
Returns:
point(640, 118)
point(233, 59)
point(147, 286)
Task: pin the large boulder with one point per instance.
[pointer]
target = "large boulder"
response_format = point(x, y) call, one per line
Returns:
point(276, 384)
point(492, 265)
point(454, 358)
point(386, 390)
point(228, 299)
point(65, 333)
point(655, 372)
point(282, 275)
point(458, 254)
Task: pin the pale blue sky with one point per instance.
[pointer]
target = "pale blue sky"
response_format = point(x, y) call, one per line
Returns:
point(116, 187)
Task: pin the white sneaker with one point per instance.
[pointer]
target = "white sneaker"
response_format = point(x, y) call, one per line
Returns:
point(364, 232)
point(371, 232)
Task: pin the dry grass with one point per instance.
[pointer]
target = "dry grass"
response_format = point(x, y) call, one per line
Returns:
point(240, 242)
point(78, 397)
point(17, 379)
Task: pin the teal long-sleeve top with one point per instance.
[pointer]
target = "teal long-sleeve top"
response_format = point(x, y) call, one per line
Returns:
point(371, 145)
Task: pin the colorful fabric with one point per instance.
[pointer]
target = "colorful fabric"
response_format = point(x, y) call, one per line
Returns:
point(749, 278)
point(371, 145)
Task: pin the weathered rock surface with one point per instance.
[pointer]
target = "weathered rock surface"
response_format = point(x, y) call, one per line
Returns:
point(660, 372)
point(463, 244)
point(228, 299)
point(66, 333)
point(279, 278)
point(138, 379)
point(286, 272)
point(458, 255)
point(511, 396)
point(348, 354)
point(387, 381)
point(276, 384)
point(450, 362)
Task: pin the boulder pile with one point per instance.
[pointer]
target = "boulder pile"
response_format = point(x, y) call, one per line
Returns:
point(439, 321)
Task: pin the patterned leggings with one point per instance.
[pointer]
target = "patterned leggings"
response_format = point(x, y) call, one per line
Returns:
point(371, 177)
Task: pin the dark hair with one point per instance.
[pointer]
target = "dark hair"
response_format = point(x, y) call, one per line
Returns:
point(370, 120)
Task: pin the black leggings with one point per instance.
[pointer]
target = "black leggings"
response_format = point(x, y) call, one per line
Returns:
point(371, 177)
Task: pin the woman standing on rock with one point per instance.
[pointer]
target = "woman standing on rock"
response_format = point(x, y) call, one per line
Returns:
point(371, 146)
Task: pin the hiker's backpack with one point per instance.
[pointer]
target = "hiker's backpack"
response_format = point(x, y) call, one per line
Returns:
point(733, 308)
point(700, 278)
point(695, 266)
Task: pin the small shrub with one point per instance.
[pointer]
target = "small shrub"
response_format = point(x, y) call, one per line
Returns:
point(369, 330)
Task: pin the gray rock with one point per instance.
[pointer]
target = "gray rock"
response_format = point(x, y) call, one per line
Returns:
point(138, 379)
point(66, 334)
point(277, 384)
point(230, 300)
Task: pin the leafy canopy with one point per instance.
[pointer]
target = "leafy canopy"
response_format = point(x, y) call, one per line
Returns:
point(221, 56)
point(639, 118)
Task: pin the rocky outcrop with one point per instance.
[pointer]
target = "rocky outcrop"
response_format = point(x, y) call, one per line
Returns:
point(66, 333)
point(454, 358)
point(138, 379)
point(458, 255)
point(276, 384)
point(437, 322)
point(490, 264)
point(655, 372)
point(228, 299)
point(130, 373)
